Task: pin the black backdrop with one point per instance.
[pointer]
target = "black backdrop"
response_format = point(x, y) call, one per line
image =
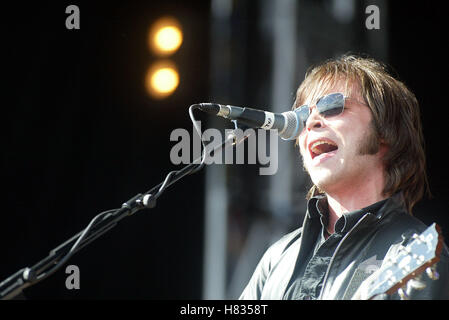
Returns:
point(81, 136)
point(419, 56)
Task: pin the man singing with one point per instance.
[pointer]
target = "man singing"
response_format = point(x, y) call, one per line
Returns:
point(362, 146)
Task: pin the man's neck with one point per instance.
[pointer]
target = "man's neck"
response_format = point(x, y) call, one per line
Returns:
point(343, 203)
point(354, 195)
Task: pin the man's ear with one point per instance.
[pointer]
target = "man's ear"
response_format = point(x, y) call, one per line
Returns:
point(383, 147)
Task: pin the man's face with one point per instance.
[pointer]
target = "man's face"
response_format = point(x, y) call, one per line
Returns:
point(348, 157)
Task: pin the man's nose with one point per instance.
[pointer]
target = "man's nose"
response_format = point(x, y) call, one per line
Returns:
point(315, 120)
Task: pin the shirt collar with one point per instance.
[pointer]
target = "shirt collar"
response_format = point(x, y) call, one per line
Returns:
point(318, 208)
point(314, 206)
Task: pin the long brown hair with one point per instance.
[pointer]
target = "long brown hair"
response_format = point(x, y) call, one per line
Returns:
point(396, 120)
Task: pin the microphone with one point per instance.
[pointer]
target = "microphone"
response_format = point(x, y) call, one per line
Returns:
point(289, 124)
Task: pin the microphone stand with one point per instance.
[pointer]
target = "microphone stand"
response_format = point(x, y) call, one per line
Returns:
point(26, 277)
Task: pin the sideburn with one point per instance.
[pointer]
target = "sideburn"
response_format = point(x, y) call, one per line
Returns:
point(371, 144)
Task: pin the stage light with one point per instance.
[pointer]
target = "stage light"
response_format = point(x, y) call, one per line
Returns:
point(165, 36)
point(162, 79)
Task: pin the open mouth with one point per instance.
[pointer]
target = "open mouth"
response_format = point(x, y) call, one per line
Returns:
point(322, 146)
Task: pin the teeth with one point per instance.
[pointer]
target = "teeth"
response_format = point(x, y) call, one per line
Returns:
point(314, 146)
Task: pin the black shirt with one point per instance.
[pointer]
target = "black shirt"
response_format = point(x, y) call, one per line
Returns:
point(315, 255)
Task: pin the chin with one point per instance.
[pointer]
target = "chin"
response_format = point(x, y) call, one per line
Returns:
point(325, 180)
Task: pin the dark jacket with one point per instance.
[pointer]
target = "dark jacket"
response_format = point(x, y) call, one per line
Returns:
point(372, 240)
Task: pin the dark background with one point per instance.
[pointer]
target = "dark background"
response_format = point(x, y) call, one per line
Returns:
point(82, 136)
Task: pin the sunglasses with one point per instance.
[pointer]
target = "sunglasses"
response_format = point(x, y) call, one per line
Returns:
point(329, 105)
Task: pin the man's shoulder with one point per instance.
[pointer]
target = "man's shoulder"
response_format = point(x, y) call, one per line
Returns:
point(402, 224)
point(400, 231)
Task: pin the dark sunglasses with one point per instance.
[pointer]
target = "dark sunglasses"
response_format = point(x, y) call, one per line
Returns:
point(329, 105)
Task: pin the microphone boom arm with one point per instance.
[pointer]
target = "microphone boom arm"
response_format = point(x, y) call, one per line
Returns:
point(26, 277)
